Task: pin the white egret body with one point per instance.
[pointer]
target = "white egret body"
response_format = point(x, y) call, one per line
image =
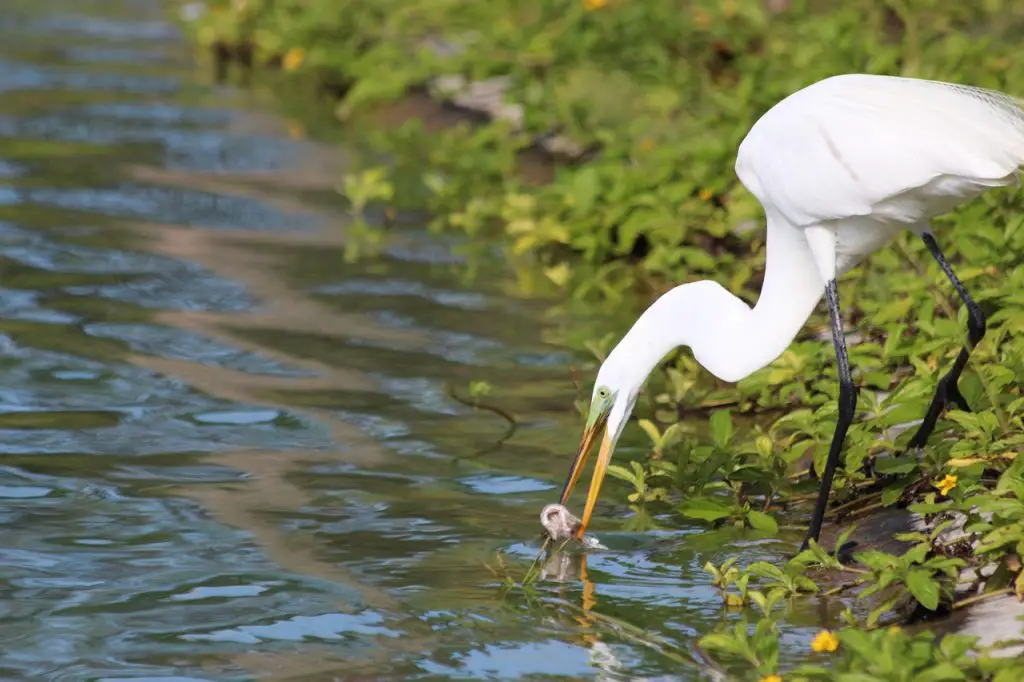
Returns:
point(840, 168)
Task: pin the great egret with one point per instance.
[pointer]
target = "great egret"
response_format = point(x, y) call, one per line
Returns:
point(840, 168)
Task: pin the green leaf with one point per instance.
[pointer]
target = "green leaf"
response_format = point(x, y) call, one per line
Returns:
point(892, 492)
point(916, 554)
point(859, 642)
point(1002, 535)
point(879, 610)
point(671, 435)
point(955, 646)
point(1007, 675)
point(855, 677)
point(895, 310)
point(819, 460)
point(815, 553)
point(706, 508)
point(928, 507)
point(711, 465)
point(759, 599)
point(943, 672)
point(805, 584)
point(721, 428)
point(585, 187)
point(924, 588)
point(843, 538)
point(750, 473)
point(876, 560)
point(624, 474)
point(763, 569)
point(761, 521)
point(901, 413)
point(722, 642)
point(883, 581)
point(650, 429)
point(895, 465)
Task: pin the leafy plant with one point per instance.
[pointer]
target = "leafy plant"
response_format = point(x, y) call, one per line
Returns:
point(658, 94)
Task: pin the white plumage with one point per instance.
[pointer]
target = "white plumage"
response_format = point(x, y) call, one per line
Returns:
point(895, 149)
point(840, 168)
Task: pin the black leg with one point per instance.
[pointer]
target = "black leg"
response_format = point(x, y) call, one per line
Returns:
point(847, 407)
point(947, 393)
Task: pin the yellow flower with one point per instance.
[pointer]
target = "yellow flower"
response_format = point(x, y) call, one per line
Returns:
point(771, 678)
point(824, 642)
point(946, 484)
point(293, 58)
point(594, 4)
point(706, 194)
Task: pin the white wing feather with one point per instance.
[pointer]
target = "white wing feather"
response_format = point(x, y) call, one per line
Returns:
point(896, 149)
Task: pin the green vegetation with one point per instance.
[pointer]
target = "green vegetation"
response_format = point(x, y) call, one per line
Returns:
point(659, 93)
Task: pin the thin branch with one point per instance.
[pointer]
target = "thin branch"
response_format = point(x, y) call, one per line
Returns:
point(864, 510)
point(981, 597)
point(842, 588)
point(477, 405)
point(852, 503)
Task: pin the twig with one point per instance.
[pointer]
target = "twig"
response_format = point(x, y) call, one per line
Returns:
point(477, 405)
point(981, 597)
point(853, 569)
point(895, 620)
point(574, 377)
point(842, 588)
point(846, 505)
point(450, 391)
point(536, 560)
point(864, 510)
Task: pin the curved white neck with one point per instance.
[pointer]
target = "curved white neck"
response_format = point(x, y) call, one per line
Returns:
point(726, 336)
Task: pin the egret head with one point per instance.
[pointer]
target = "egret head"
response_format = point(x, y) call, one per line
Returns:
point(615, 391)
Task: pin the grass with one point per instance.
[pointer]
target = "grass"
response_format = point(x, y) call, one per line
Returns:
point(658, 94)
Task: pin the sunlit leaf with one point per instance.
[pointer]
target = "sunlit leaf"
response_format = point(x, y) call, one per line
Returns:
point(924, 588)
point(706, 508)
point(761, 521)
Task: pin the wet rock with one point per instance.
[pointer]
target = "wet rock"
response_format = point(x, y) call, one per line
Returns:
point(996, 620)
point(487, 98)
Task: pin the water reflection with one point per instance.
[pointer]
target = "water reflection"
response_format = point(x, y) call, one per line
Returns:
point(224, 452)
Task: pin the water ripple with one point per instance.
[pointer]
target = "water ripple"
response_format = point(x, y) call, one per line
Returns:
point(181, 498)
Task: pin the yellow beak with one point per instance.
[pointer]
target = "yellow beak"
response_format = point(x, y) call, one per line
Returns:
point(600, 469)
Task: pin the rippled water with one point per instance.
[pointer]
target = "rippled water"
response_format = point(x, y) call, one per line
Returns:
point(226, 454)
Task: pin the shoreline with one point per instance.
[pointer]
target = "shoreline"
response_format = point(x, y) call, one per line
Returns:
point(483, 102)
